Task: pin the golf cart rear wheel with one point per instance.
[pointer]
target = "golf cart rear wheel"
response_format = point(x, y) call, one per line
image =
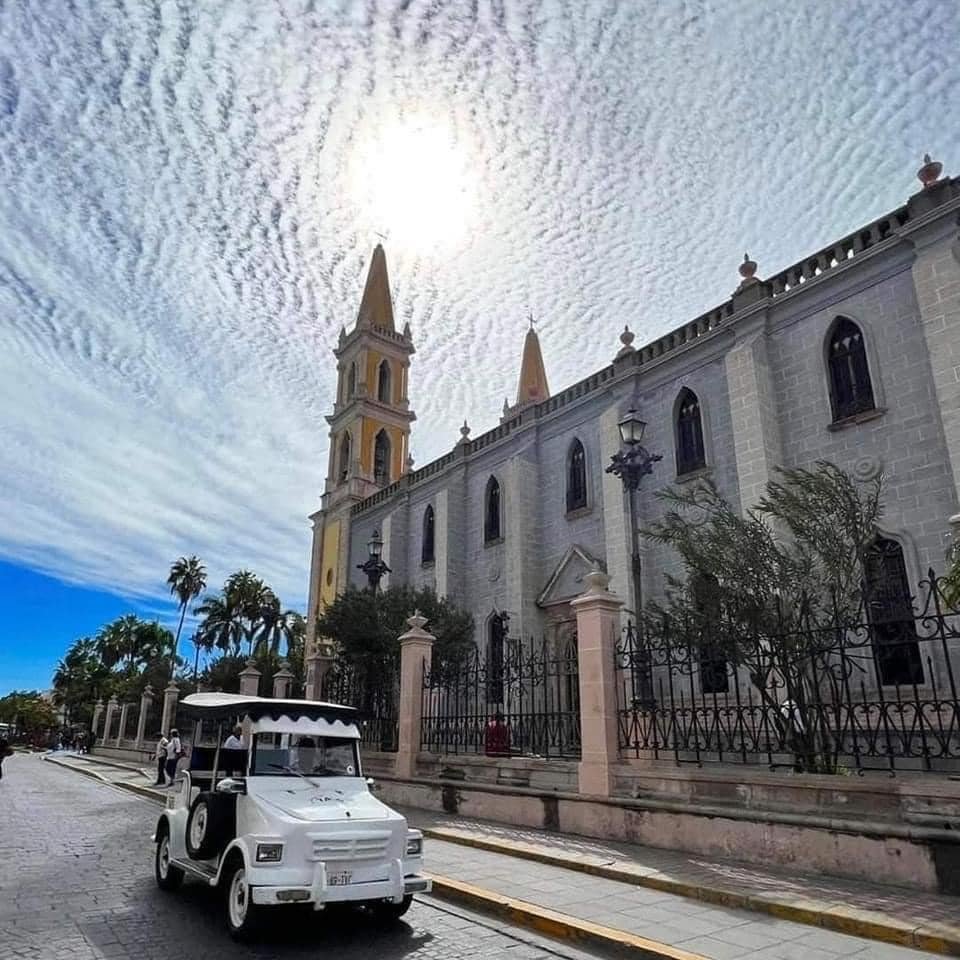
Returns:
point(209, 825)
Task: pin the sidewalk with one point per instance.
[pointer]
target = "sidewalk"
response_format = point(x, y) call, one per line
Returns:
point(657, 903)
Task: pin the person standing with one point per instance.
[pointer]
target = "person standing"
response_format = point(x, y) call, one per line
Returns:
point(160, 754)
point(5, 751)
point(174, 753)
point(235, 740)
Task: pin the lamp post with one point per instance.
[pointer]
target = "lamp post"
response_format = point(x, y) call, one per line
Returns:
point(631, 463)
point(374, 567)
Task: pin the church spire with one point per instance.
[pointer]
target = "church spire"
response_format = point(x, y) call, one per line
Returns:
point(533, 377)
point(376, 307)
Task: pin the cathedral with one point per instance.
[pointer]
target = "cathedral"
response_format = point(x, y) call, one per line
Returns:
point(850, 355)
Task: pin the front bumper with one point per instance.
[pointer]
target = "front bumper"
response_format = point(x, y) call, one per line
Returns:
point(318, 892)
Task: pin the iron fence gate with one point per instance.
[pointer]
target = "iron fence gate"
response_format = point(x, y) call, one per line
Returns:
point(374, 690)
point(877, 690)
point(524, 699)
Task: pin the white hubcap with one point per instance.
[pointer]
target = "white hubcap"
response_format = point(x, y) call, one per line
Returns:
point(238, 898)
point(199, 827)
point(163, 858)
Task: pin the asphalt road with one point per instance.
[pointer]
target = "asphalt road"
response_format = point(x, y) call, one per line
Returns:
point(76, 882)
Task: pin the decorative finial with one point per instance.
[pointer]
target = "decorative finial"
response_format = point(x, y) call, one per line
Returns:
point(409, 462)
point(464, 432)
point(626, 338)
point(407, 335)
point(343, 333)
point(748, 268)
point(506, 406)
point(929, 173)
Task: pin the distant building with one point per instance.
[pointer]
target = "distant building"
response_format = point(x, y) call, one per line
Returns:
point(851, 355)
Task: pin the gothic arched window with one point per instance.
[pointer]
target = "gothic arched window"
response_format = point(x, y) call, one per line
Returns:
point(491, 514)
point(851, 391)
point(496, 641)
point(344, 457)
point(381, 458)
point(690, 452)
point(383, 382)
point(351, 381)
point(890, 610)
point(576, 477)
point(426, 546)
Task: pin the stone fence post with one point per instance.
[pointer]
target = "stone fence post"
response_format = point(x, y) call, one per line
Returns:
point(283, 682)
point(122, 726)
point(416, 653)
point(108, 720)
point(250, 679)
point(598, 627)
point(170, 697)
point(97, 713)
point(318, 663)
point(146, 700)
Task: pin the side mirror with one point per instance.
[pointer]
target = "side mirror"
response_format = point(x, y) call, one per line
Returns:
point(232, 785)
point(371, 783)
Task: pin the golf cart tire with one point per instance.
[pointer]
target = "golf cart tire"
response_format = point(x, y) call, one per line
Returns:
point(242, 921)
point(168, 876)
point(210, 825)
point(387, 910)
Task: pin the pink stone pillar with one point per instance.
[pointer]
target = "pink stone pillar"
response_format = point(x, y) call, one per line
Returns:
point(122, 728)
point(146, 699)
point(598, 626)
point(108, 721)
point(250, 679)
point(170, 697)
point(318, 664)
point(283, 681)
point(95, 722)
point(416, 652)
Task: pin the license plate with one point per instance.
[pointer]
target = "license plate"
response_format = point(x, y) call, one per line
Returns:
point(339, 879)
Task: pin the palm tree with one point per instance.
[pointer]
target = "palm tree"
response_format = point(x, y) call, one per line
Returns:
point(276, 626)
point(221, 626)
point(247, 595)
point(187, 580)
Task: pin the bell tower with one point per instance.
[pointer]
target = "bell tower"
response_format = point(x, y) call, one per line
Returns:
point(369, 439)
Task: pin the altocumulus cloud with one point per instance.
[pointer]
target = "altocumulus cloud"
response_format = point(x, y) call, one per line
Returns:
point(184, 225)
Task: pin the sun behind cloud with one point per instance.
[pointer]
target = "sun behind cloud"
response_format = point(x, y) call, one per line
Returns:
point(411, 180)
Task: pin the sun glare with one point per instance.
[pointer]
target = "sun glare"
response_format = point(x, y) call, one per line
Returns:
point(411, 179)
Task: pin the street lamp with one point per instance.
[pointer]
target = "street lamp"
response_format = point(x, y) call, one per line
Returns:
point(631, 463)
point(374, 567)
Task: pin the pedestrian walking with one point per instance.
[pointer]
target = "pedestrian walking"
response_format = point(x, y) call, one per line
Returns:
point(5, 751)
point(160, 755)
point(496, 738)
point(174, 753)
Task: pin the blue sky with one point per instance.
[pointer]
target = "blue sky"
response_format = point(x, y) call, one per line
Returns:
point(189, 195)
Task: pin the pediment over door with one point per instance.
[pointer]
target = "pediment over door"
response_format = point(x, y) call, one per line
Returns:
point(567, 582)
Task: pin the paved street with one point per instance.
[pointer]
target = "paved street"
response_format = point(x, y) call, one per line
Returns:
point(76, 882)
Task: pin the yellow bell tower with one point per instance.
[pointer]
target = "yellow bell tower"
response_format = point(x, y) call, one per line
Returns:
point(369, 439)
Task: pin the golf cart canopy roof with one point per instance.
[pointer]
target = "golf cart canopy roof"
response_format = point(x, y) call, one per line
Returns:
point(276, 716)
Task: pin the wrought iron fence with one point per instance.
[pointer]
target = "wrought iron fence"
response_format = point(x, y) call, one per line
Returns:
point(523, 700)
point(375, 691)
point(877, 689)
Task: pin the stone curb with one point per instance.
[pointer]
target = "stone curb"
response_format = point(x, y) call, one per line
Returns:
point(840, 918)
point(559, 926)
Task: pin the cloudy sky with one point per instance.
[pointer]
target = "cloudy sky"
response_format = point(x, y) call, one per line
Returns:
point(190, 191)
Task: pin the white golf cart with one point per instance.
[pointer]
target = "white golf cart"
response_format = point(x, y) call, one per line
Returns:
point(288, 819)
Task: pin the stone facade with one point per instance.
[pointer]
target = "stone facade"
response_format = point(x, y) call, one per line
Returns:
point(758, 365)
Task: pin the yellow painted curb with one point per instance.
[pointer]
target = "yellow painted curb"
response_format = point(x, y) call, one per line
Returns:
point(560, 926)
point(828, 916)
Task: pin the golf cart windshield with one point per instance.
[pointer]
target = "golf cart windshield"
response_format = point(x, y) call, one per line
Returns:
point(294, 755)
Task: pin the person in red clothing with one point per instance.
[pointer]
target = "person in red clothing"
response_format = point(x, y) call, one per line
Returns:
point(497, 737)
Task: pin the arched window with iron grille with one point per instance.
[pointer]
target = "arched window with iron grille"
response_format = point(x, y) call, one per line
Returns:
point(491, 517)
point(427, 545)
point(384, 382)
point(576, 477)
point(890, 611)
point(690, 451)
point(851, 390)
point(381, 458)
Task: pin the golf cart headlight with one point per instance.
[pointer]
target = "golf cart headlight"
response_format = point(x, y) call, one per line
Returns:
point(269, 852)
point(414, 846)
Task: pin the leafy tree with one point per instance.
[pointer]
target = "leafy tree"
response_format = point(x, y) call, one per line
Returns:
point(248, 596)
point(366, 626)
point(762, 590)
point(187, 580)
point(81, 678)
point(27, 711)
